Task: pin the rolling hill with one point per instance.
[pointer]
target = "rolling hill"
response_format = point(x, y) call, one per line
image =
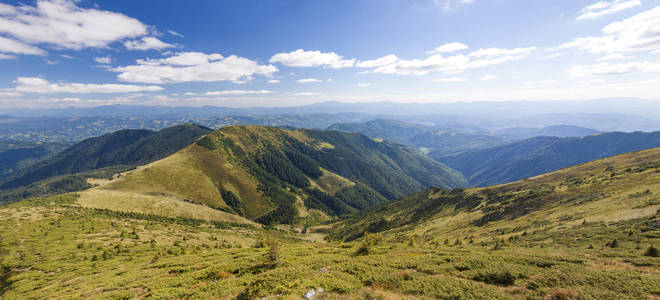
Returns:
point(439, 143)
point(586, 232)
point(124, 148)
point(613, 189)
point(276, 176)
point(531, 157)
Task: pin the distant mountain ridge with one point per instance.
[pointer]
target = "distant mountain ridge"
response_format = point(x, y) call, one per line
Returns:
point(129, 147)
point(15, 155)
point(531, 157)
point(553, 131)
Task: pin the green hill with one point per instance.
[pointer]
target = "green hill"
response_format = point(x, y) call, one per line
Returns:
point(15, 155)
point(276, 176)
point(531, 157)
point(618, 188)
point(587, 232)
point(130, 147)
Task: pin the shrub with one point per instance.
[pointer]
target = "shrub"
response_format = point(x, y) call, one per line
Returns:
point(499, 278)
point(273, 254)
point(369, 240)
point(652, 251)
point(612, 244)
point(561, 295)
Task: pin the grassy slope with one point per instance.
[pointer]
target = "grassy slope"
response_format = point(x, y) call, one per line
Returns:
point(230, 159)
point(52, 248)
point(609, 190)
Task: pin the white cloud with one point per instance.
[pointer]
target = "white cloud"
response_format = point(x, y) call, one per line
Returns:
point(637, 33)
point(106, 60)
point(274, 81)
point(603, 8)
point(456, 63)
point(496, 52)
point(613, 69)
point(147, 43)
point(172, 32)
point(5, 56)
point(302, 58)
point(489, 77)
point(382, 61)
point(447, 48)
point(363, 84)
point(193, 66)
point(42, 86)
point(450, 79)
point(67, 56)
point(451, 4)
point(307, 94)
point(238, 92)
point(62, 24)
point(551, 56)
point(13, 46)
point(613, 56)
point(309, 80)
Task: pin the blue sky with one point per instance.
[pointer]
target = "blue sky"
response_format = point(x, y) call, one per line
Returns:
point(251, 53)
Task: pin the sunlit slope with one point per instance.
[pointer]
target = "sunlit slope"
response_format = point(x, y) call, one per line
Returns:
point(274, 175)
point(618, 188)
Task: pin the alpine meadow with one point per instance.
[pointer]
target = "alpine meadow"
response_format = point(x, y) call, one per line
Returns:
point(372, 149)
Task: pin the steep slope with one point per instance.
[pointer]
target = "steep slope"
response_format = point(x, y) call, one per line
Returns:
point(129, 147)
point(15, 155)
point(511, 162)
point(391, 130)
point(278, 176)
point(614, 189)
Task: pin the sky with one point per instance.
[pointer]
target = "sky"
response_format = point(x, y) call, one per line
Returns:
point(58, 53)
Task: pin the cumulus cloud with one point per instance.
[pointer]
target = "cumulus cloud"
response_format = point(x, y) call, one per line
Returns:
point(309, 80)
point(603, 8)
point(613, 69)
point(450, 79)
point(448, 48)
point(13, 46)
point(238, 92)
point(43, 86)
point(302, 58)
point(106, 60)
point(64, 25)
point(637, 33)
point(146, 43)
point(193, 66)
point(274, 81)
